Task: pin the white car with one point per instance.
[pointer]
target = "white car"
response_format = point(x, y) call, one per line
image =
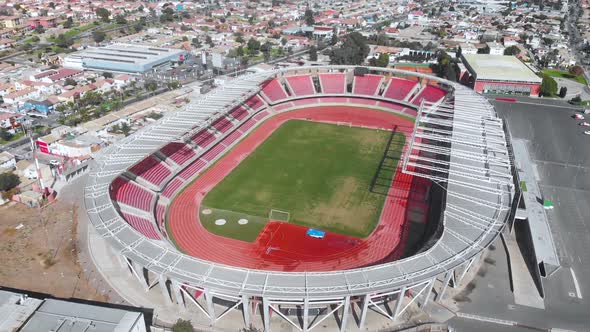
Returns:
point(54, 162)
point(587, 132)
point(578, 116)
point(584, 124)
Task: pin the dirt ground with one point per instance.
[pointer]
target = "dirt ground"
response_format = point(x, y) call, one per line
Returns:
point(41, 255)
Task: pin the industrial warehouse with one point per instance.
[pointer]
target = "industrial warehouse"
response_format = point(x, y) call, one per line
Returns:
point(500, 74)
point(123, 58)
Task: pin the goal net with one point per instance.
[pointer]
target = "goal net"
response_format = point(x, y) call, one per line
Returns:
point(279, 215)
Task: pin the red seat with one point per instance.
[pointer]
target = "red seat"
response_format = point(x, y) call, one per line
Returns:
point(152, 170)
point(142, 225)
point(301, 85)
point(430, 94)
point(222, 124)
point(131, 194)
point(333, 83)
point(178, 152)
point(274, 91)
point(203, 138)
point(399, 88)
point(192, 169)
point(366, 85)
point(238, 113)
point(254, 103)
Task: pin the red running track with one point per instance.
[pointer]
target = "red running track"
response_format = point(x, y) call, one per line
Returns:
point(282, 246)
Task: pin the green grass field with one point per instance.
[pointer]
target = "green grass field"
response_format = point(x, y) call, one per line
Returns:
point(565, 74)
point(320, 173)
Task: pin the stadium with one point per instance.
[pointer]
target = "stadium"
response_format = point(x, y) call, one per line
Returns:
point(309, 193)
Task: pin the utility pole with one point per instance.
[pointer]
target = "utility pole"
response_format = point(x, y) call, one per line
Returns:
point(27, 125)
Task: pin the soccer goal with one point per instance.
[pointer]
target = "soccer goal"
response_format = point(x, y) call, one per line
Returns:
point(279, 215)
point(347, 124)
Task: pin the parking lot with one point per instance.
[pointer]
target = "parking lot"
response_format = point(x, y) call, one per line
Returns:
point(561, 155)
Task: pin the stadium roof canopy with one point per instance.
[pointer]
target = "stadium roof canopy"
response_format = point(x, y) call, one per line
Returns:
point(499, 68)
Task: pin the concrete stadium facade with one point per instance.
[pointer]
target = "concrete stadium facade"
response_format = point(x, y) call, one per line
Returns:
point(459, 143)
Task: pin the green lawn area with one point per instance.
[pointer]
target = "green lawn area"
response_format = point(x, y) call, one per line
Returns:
point(565, 74)
point(16, 136)
point(320, 173)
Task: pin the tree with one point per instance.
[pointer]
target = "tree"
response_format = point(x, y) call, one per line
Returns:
point(151, 86)
point(68, 23)
point(548, 86)
point(253, 46)
point(103, 14)
point(313, 53)
point(52, 5)
point(353, 51)
point(512, 50)
point(5, 135)
point(173, 85)
point(107, 74)
point(458, 52)
point(576, 70)
point(125, 129)
point(8, 180)
point(547, 41)
point(575, 101)
point(334, 39)
point(70, 81)
point(445, 67)
point(284, 41)
point(209, 41)
point(383, 60)
point(484, 50)
point(39, 29)
point(239, 37)
point(98, 36)
point(182, 326)
point(121, 20)
point(308, 16)
point(196, 43)
point(167, 15)
point(240, 51)
point(562, 92)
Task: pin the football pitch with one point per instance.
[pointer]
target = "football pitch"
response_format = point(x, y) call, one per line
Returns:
point(321, 174)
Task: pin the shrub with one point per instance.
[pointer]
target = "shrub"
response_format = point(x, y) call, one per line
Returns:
point(182, 326)
point(8, 181)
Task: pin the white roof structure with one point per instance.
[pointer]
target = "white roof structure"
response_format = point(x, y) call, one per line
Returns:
point(499, 68)
point(477, 173)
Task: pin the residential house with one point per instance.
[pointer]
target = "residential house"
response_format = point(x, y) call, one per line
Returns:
point(10, 21)
point(7, 161)
point(21, 95)
point(45, 22)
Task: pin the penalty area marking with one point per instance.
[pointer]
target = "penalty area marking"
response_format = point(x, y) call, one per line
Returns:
point(243, 221)
point(206, 211)
point(220, 222)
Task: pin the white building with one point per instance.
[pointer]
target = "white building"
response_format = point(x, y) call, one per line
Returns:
point(7, 161)
point(496, 48)
point(468, 49)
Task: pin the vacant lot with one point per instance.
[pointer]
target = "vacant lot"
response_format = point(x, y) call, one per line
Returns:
point(320, 174)
point(39, 253)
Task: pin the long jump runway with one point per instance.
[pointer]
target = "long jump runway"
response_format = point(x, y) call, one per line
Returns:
point(283, 246)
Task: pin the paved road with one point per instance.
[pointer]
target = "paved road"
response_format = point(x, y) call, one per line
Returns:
point(562, 158)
